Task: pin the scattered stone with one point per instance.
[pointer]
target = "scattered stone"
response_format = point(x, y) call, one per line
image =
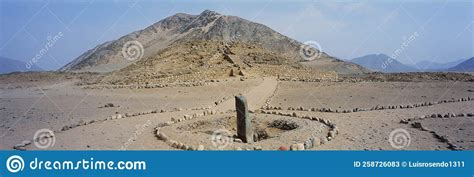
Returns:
point(331, 134)
point(404, 121)
point(443, 138)
point(300, 146)
point(26, 142)
point(316, 141)
point(66, 127)
point(191, 148)
point(324, 140)
point(82, 122)
point(180, 145)
point(294, 114)
point(200, 148)
point(417, 125)
point(186, 117)
point(297, 147)
point(109, 105)
point(293, 147)
point(20, 147)
point(308, 144)
point(173, 143)
point(162, 136)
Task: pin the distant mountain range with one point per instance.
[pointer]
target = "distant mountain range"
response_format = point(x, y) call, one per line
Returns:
point(466, 66)
point(8, 65)
point(383, 63)
point(436, 66)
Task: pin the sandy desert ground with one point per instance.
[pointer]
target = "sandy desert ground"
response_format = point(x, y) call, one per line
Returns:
point(438, 115)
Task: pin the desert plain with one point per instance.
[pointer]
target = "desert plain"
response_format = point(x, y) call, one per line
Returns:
point(437, 114)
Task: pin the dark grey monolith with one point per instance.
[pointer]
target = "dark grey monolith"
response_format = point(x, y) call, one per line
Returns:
point(244, 124)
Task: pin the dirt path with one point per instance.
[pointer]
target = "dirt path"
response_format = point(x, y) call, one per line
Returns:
point(256, 97)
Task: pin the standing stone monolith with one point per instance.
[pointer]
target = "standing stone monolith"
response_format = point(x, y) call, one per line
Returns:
point(244, 124)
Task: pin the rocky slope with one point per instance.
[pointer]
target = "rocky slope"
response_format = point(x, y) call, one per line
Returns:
point(207, 26)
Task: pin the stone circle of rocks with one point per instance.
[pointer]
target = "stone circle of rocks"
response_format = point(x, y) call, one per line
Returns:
point(176, 144)
point(310, 142)
point(301, 108)
point(414, 122)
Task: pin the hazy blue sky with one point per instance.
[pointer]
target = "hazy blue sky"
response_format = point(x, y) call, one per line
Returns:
point(436, 31)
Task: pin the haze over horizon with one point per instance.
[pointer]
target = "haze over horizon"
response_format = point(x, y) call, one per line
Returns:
point(435, 31)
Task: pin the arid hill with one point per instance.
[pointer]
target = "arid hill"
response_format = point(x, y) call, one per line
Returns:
point(200, 61)
point(180, 29)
